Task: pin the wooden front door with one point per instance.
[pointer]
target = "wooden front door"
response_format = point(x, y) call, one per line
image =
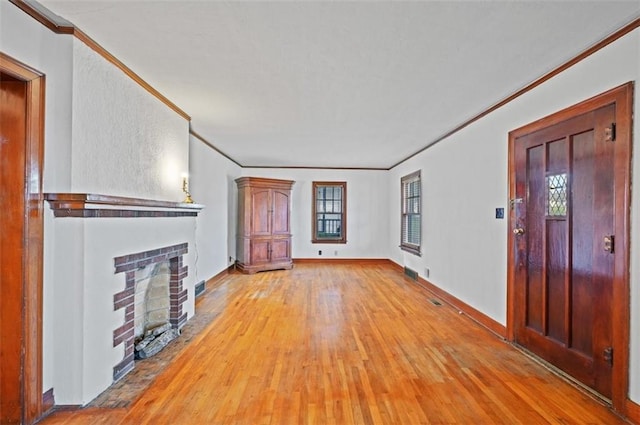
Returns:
point(569, 241)
point(21, 224)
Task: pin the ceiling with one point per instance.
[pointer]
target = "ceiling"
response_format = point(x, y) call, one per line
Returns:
point(360, 84)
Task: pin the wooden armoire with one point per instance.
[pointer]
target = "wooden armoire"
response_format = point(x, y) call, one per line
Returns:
point(264, 234)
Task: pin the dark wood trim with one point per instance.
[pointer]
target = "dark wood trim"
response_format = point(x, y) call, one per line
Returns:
point(314, 230)
point(48, 400)
point(549, 75)
point(52, 22)
point(475, 315)
point(67, 407)
point(300, 167)
point(60, 26)
point(265, 182)
point(18, 69)
point(622, 97)
point(285, 167)
point(224, 273)
point(84, 205)
point(35, 245)
point(206, 142)
point(621, 285)
point(364, 261)
point(213, 282)
point(632, 411)
point(109, 213)
point(33, 240)
point(43, 15)
point(93, 45)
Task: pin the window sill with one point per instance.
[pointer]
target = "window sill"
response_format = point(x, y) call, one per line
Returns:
point(412, 250)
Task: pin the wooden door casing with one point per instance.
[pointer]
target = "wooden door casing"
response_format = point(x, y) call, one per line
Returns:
point(553, 322)
point(24, 207)
point(12, 155)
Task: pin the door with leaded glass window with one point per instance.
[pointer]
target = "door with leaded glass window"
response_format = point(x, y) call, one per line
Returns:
point(565, 245)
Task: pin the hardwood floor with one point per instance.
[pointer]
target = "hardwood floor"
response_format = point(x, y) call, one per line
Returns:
point(345, 344)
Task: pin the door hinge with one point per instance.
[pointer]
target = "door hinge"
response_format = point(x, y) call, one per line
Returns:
point(609, 243)
point(610, 133)
point(514, 201)
point(608, 355)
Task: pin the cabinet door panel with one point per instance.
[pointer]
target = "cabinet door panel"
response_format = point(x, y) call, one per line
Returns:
point(280, 250)
point(260, 251)
point(280, 212)
point(260, 212)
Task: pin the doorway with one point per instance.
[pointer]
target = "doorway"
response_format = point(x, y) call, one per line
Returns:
point(568, 289)
point(21, 218)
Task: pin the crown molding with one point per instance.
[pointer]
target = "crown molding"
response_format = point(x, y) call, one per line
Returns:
point(568, 64)
point(61, 26)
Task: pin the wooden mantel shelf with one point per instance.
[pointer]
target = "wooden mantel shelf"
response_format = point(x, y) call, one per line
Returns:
point(92, 205)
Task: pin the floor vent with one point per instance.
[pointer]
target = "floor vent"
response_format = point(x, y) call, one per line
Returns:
point(435, 302)
point(199, 289)
point(411, 273)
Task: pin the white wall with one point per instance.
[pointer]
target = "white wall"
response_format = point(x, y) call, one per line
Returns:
point(464, 179)
point(29, 42)
point(125, 141)
point(104, 134)
point(102, 240)
point(367, 215)
point(212, 183)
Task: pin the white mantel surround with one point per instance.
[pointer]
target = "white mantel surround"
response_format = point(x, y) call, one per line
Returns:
point(84, 354)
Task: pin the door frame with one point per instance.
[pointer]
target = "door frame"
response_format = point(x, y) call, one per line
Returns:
point(622, 97)
point(32, 260)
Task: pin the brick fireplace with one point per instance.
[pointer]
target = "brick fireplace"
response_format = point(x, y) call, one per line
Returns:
point(125, 299)
point(103, 244)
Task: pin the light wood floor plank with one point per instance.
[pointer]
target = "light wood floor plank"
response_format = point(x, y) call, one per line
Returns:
point(346, 344)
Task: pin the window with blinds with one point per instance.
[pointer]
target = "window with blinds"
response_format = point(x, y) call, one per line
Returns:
point(329, 212)
point(411, 213)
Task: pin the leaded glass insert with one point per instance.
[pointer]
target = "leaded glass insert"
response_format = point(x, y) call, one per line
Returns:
point(556, 195)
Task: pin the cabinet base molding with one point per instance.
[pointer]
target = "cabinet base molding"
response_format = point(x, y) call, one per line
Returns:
point(251, 269)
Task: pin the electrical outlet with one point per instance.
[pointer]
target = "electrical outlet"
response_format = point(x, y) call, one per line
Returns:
point(335, 253)
point(230, 259)
point(319, 252)
point(426, 272)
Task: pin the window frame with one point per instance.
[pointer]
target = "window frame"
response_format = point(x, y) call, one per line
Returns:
point(314, 213)
point(404, 181)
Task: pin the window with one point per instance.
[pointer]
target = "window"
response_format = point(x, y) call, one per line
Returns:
point(556, 195)
point(411, 217)
point(329, 212)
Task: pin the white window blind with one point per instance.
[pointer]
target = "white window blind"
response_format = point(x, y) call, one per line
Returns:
point(411, 212)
